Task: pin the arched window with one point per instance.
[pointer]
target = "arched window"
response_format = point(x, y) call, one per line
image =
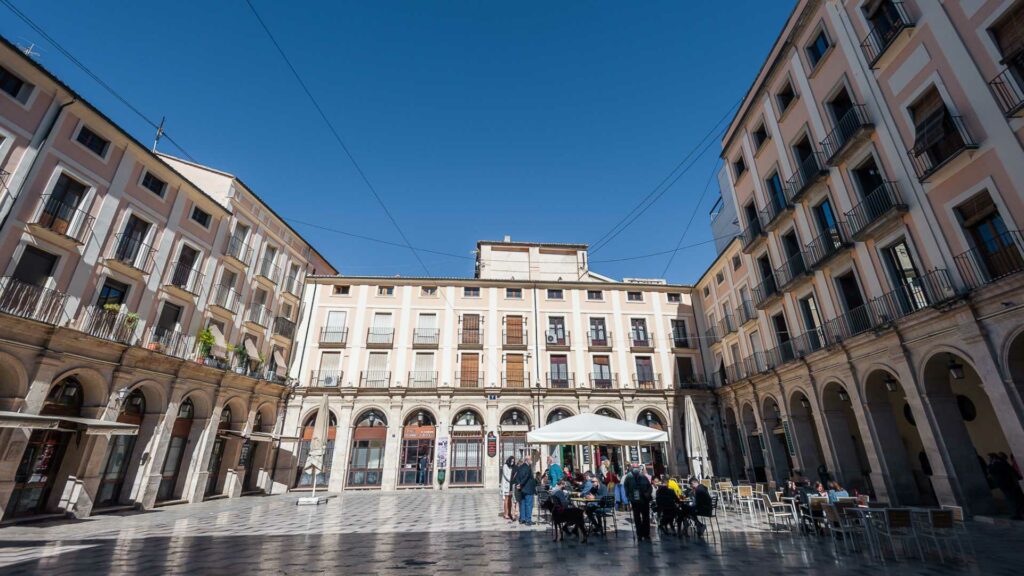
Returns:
point(257, 422)
point(65, 397)
point(650, 419)
point(311, 420)
point(372, 418)
point(134, 404)
point(420, 418)
point(468, 418)
point(515, 417)
point(558, 415)
point(186, 411)
point(225, 417)
point(607, 413)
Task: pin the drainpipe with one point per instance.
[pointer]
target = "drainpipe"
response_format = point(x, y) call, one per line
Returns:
point(32, 166)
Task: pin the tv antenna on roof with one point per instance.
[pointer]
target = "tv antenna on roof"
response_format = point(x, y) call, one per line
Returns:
point(29, 50)
point(159, 132)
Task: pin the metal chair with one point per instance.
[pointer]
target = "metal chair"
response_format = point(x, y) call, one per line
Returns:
point(960, 525)
point(841, 528)
point(898, 525)
point(713, 518)
point(777, 510)
point(605, 510)
point(745, 500)
point(941, 530)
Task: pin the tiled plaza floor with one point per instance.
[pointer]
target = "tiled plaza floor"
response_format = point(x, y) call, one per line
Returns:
point(453, 532)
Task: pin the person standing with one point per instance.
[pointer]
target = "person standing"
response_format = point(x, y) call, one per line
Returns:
point(507, 470)
point(422, 469)
point(524, 479)
point(1008, 481)
point(555, 473)
point(620, 488)
point(639, 493)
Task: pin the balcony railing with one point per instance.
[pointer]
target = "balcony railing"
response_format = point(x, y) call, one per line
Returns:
point(792, 269)
point(170, 342)
point(604, 381)
point(599, 339)
point(891, 20)
point(131, 252)
point(239, 250)
point(333, 336)
point(765, 291)
point(471, 337)
point(557, 338)
point(881, 201)
point(692, 381)
point(380, 337)
point(849, 324)
point(326, 378)
point(997, 258)
point(943, 138)
point(777, 205)
point(561, 380)
point(640, 339)
point(226, 297)
point(758, 363)
point(735, 372)
point(647, 381)
point(112, 325)
point(469, 380)
point(751, 234)
point(292, 285)
point(426, 337)
point(515, 380)
point(184, 276)
point(711, 335)
point(854, 122)
point(25, 300)
point(726, 325)
point(259, 315)
point(916, 294)
point(422, 379)
point(681, 339)
point(64, 219)
point(829, 243)
point(375, 379)
point(269, 270)
point(745, 312)
point(1008, 85)
point(517, 337)
point(284, 327)
point(809, 171)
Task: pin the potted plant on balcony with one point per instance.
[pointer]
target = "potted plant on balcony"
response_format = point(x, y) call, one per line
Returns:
point(242, 358)
point(205, 341)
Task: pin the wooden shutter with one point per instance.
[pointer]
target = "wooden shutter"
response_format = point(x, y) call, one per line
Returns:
point(470, 368)
point(514, 329)
point(514, 370)
point(1009, 32)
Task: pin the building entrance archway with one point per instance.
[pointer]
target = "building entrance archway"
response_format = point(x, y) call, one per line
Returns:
point(899, 445)
point(368, 439)
point(854, 471)
point(417, 461)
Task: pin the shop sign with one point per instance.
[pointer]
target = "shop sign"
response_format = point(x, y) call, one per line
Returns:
point(634, 454)
point(418, 432)
point(442, 453)
point(586, 455)
point(492, 445)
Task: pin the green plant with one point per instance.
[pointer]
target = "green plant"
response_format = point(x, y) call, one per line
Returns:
point(131, 319)
point(115, 308)
point(241, 355)
point(206, 341)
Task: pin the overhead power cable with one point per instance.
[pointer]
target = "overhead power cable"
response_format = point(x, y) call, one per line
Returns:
point(707, 186)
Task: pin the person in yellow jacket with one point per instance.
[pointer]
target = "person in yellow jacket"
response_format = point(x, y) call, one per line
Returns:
point(673, 485)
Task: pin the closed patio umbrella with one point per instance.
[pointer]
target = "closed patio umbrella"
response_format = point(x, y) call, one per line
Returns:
point(318, 444)
point(696, 442)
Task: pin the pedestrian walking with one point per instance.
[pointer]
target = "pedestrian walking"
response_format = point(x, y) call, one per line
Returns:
point(507, 471)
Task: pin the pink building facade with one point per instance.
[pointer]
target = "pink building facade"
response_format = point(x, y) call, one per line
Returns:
point(868, 318)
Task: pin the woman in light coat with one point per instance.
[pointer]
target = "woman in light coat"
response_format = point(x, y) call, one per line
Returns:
point(506, 487)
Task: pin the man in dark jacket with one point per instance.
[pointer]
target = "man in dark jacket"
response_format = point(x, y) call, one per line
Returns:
point(638, 491)
point(701, 505)
point(526, 484)
point(1008, 481)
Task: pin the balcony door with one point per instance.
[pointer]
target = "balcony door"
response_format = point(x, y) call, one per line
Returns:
point(469, 370)
point(598, 332)
point(783, 338)
point(996, 252)
point(170, 315)
point(812, 321)
point(857, 319)
point(556, 330)
point(514, 330)
point(187, 261)
point(559, 371)
point(132, 243)
point(514, 371)
point(60, 209)
point(910, 295)
point(644, 372)
point(335, 330)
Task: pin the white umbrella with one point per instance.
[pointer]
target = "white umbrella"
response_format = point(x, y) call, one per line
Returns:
point(696, 442)
point(318, 444)
point(588, 429)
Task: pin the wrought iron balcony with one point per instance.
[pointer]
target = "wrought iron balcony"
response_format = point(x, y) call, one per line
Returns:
point(734, 372)
point(758, 363)
point(469, 380)
point(326, 378)
point(682, 339)
point(853, 123)
point(647, 381)
point(25, 300)
point(640, 340)
point(726, 325)
point(943, 137)
point(692, 382)
point(745, 312)
point(170, 342)
point(239, 250)
point(829, 243)
point(422, 379)
point(131, 252)
point(1008, 85)
point(226, 297)
point(792, 269)
point(891, 20)
point(267, 269)
point(375, 379)
point(471, 338)
point(64, 219)
point(712, 336)
point(333, 337)
point(258, 315)
point(521, 380)
point(1001, 256)
point(426, 338)
point(380, 337)
point(599, 381)
point(292, 285)
point(751, 234)
point(109, 324)
point(809, 172)
point(597, 339)
point(916, 294)
point(185, 276)
point(517, 338)
point(851, 323)
point(776, 207)
point(284, 327)
point(765, 292)
point(880, 203)
point(561, 380)
point(557, 339)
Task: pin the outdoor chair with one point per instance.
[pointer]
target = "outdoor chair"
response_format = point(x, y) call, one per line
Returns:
point(841, 528)
point(745, 501)
point(960, 525)
point(542, 497)
point(940, 529)
point(712, 520)
point(605, 510)
point(777, 511)
point(897, 525)
point(813, 517)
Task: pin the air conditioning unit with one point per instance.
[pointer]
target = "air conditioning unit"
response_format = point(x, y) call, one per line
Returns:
point(552, 339)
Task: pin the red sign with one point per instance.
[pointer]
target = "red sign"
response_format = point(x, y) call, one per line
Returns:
point(492, 445)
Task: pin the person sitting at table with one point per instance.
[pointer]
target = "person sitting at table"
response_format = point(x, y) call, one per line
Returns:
point(790, 490)
point(673, 485)
point(819, 490)
point(836, 492)
point(588, 485)
point(667, 503)
point(700, 506)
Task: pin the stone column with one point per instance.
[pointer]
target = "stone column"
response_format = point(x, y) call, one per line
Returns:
point(897, 474)
point(342, 445)
point(392, 445)
point(157, 449)
point(967, 483)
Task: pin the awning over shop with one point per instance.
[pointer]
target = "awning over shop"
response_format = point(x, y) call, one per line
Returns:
point(90, 426)
point(280, 366)
point(220, 345)
point(253, 436)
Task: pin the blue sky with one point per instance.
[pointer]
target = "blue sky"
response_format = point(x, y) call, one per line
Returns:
point(547, 121)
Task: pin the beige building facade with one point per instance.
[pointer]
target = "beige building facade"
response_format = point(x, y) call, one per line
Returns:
point(868, 318)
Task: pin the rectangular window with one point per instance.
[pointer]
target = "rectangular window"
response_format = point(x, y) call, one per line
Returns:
point(602, 377)
point(776, 195)
point(10, 83)
point(638, 332)
point(428, 291)
point(471, 292)
point(93, 141)
point(515, 375)
point(113, 292)
point(342, 290)
point(554, 294)
point(816, 50)
point(739, 167)
point(595, 295)
point(785, 97)
point(329, 373)
point(514, 293)
point(152, 183)
point(559, 376)
point(685, 373)
point(201, 217)
point(556, 331)
point(377, 374)
point(385, 291)
point(635, 296)
point(471, 329)
point(423, 370)
point(719, 278)
point(514, 335)
point(760, 136)
point(736, 262)
point(469, 370)
point(707, 291)
point(645, 372)
point(680, 337)
point(598, 332)
point(675, 297)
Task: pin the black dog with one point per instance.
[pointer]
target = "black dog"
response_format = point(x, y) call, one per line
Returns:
point(564, 518)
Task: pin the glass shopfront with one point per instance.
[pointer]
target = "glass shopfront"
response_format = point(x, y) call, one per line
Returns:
point(121, 448)
point(368, 439)
point(417, 460)
point(304, 478)
point(175, 451)
point(467, 449)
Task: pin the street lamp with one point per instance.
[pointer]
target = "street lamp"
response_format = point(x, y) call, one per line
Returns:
point(956, 369)
point(890, 383)
point(844, 396)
